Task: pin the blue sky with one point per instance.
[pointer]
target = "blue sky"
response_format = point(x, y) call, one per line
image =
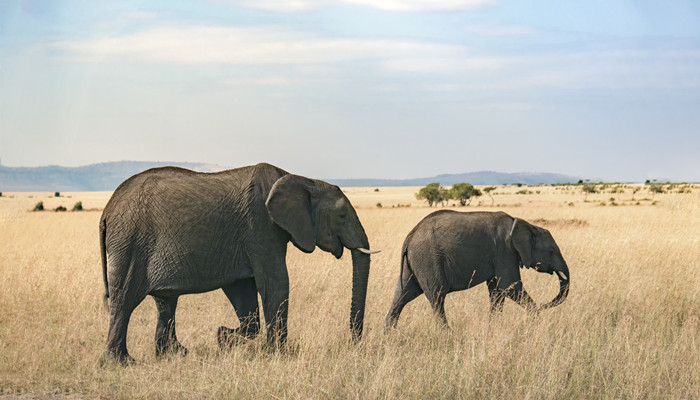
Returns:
point(356, 88)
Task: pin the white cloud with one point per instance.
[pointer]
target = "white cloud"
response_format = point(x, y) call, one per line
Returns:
point(423, 5)
point(501, 29)
point(243, 46)
point(615, 67)
point(456, 63)
point(390, 5)
point(269, 81)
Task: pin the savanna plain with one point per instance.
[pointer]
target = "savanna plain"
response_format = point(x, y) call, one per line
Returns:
point(629, 329)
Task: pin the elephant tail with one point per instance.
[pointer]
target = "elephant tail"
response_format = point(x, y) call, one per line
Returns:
point(103, 254)
point(405, 267)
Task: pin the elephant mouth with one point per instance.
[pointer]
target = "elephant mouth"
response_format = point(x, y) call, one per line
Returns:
point(341, 245)
point(539, 267)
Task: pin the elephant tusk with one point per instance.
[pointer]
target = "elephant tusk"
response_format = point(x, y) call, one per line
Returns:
point(562, 275)
point(368, 251)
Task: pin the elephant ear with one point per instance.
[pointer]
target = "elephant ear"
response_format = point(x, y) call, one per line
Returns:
point(521, 237)
point(289, 206)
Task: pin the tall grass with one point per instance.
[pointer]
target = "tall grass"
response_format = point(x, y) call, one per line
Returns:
point(629, 329)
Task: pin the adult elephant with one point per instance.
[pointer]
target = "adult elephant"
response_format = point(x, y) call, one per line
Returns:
point(171, 231)
point(450, 251)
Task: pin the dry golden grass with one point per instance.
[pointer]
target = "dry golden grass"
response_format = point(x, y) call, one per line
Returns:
point(629, 329)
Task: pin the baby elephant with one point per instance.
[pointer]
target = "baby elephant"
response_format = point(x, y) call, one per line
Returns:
point(449, 251)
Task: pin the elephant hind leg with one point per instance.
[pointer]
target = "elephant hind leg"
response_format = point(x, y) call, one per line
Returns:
point(405, 293)
point(166, 338)
point(437, 302)
point(122, 304)
point(243, 295)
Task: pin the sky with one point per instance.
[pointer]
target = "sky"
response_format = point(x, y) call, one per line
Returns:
point(604, 90)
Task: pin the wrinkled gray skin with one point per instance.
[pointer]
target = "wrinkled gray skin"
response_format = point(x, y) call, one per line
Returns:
point(171, 231)
point(450, 251)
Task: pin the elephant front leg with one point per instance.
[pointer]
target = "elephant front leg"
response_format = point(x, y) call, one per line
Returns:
point(166, 339)
point(518, 294)
point(275, 307)
point(496, 296)
point(243, 295)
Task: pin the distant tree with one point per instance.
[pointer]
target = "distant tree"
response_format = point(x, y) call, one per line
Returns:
point(463, 192)
point(588, 188)
point(488, 191)
point(78, 206)
point(39, 206)
point(431, 193)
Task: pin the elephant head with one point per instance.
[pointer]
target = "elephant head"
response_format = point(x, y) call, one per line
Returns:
point(315, 213)
point(538, 250)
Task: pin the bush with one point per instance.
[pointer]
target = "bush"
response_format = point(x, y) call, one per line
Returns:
point(57, 194)
point(39, 206)
point(61, 208)
point(379, 205)
point(78, 206)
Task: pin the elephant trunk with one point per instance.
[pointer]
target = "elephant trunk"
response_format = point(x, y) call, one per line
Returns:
point(360, 277)
point(564, 282)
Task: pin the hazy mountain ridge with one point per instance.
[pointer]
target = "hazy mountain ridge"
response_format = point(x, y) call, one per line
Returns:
point(475, 178)
point(94, 177)
point(107, 176)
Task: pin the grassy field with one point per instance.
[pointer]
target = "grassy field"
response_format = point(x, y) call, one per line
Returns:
point(629, 329)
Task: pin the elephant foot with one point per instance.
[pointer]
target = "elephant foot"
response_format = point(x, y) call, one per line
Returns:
point(227, 337)
point(120, 357)
point(171, 349)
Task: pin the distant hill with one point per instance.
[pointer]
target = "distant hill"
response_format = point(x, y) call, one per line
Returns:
point(95, 177)
point(107, 176)
point(475, 178)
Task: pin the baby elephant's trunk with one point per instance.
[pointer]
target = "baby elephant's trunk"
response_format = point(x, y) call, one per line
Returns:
point(564, 282)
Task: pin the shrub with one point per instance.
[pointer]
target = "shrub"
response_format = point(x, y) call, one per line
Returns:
point(39, 206)
point(61, 208)
point(78, 206)
point(379, 205)
point(588, 188)
point(57, 194)
point(376, 190)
